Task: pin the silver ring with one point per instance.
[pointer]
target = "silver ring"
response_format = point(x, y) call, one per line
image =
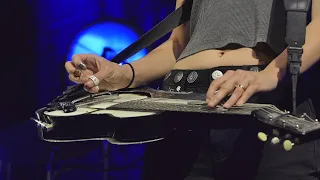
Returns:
point(82, 66)
point(95, 80)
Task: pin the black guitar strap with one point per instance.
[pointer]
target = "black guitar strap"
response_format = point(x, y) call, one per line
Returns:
point(173, 20)
point(297, 12)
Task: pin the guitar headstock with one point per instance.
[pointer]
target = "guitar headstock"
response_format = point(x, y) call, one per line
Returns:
point(286, 128)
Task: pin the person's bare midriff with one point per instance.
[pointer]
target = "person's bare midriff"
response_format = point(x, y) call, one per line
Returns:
point(214, 58)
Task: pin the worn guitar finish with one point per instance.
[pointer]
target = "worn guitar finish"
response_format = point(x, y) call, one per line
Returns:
point(144, 115)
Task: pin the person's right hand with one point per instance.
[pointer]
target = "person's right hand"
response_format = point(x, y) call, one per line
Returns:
point(111, 76)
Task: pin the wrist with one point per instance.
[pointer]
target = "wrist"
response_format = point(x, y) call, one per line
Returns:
point(275, 72)
point(278, 67)
point(127, 76)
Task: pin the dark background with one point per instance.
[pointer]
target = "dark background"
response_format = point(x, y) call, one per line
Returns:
point(36, 41)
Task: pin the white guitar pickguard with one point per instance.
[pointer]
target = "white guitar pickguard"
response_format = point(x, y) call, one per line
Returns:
point(124, 114)
point(103, 105)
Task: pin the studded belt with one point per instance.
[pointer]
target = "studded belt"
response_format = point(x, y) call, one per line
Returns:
point(199, 80)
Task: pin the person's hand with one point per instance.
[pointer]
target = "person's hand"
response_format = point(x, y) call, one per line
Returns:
point(106, 75)
point(240, 85)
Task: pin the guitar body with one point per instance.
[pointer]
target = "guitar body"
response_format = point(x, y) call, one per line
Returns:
point(111, 125)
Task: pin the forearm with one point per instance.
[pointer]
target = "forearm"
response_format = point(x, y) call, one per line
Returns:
point(311, 51)
point(154, 65)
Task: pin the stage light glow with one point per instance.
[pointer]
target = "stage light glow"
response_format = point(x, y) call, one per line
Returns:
point(108, 38)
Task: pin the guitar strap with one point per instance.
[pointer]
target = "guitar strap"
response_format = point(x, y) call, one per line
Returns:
point(173, 20)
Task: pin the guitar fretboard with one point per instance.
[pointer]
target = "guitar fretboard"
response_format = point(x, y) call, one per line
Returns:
point(180, 105)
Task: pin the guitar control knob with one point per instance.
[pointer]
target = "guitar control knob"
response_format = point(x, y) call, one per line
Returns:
point(275, 140)
point(287, 145)
point(262, 136)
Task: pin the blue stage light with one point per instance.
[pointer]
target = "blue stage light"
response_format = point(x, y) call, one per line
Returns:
point(106, 39)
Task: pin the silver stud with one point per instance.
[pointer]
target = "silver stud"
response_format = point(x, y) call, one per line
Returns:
point(178, 77)
point(192, 77)
point(178, 88)
point(255, 69)
point(171, 90)
point(216, 74)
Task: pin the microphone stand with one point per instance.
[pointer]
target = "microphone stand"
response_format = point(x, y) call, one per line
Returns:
point(297, 11)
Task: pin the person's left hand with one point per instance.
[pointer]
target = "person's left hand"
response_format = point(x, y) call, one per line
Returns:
point(241, 85)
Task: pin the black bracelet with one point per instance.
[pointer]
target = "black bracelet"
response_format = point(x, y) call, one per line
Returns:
point(133, 75)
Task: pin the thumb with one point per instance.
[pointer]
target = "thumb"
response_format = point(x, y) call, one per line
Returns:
point(104, 73)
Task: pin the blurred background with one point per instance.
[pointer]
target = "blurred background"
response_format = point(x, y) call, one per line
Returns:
point(38, 37)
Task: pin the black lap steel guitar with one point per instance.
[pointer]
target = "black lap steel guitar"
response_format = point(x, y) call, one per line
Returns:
point(143, 115)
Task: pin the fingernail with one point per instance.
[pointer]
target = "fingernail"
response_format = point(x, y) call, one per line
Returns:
point(95, 88)
point(226, 105)
point(84, 87)
point(88, 84)
point(211, 104)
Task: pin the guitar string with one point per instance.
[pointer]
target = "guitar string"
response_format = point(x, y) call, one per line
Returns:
point(286, 122)
point(252, 106)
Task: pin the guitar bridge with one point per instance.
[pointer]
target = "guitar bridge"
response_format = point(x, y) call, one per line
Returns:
point(306, 117)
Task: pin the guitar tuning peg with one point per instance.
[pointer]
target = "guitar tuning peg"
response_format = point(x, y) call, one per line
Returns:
point(287, 145)
point(262, 136)
point(275, 132)
point(275, 141)
point(288, 136)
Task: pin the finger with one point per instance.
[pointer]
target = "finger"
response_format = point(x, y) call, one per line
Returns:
point(219, 95)
point(80, 80)
point(94, 89)
point(236, 95)
point(78, 59)
point(77, 73)
point(225, 89)
point(70, 68)
point(247, 94)
point(84, 61)
point(104, 74)
point(216, 84)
